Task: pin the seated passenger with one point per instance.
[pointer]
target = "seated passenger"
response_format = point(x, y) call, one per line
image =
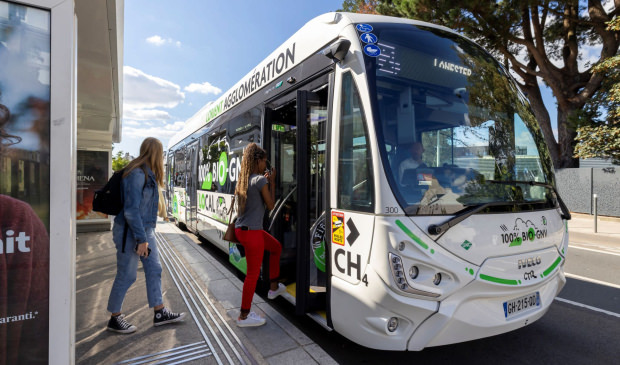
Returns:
point(413, 162)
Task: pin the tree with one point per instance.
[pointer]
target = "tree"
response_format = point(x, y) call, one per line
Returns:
point(598, 135)
point(535, 39)
point(119, 161)
point(360, 6)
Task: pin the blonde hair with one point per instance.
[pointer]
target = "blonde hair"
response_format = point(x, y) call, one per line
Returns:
point(152, 155)
point(251, 155)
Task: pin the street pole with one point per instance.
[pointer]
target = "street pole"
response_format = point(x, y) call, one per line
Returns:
point(595, 213)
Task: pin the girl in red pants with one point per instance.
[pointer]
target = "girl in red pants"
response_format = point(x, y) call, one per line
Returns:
point(255, 190)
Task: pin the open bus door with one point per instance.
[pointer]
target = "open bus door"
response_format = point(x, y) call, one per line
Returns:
point(296, 138)
point(311, 278)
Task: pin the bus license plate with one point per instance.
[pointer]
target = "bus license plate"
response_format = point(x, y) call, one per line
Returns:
point(520, 305)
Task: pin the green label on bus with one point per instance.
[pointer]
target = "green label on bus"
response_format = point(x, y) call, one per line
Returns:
point(278, 128)
point(237, 258)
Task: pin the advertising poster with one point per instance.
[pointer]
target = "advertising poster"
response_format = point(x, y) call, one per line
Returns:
point(92, 175)
point(24, 183)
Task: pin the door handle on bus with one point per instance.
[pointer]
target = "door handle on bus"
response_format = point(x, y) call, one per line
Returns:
point(276, 211)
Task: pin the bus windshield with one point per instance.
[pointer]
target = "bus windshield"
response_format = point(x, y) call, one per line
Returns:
point(449, 120)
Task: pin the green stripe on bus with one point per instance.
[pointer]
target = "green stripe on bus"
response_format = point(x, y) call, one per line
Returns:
point(498, 280)
point(550, 269)
point(410, 234)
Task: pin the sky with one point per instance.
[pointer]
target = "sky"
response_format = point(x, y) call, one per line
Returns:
point(178, 58)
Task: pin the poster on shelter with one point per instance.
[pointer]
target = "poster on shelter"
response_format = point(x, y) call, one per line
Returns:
point(24, 183)
point(92, 175)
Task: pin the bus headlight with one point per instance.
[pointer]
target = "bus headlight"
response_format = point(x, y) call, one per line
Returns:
point(398, 273)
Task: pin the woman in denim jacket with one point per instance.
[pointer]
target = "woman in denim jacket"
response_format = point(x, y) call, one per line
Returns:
point(134, 237)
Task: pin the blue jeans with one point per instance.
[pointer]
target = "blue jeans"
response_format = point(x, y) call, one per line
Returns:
point(127, 269)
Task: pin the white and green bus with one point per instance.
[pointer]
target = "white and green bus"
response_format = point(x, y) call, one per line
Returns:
point(416, 202)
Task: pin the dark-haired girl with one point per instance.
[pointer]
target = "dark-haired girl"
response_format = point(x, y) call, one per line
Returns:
point(255, 190)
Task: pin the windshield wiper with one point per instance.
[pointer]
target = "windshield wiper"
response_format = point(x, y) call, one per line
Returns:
point(565, 212)
point(436, 229)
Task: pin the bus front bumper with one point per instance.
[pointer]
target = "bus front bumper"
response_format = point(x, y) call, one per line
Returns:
point(478, 311)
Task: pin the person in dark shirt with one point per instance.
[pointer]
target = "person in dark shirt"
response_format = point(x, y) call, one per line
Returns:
point(24, 275)
point(255, 190)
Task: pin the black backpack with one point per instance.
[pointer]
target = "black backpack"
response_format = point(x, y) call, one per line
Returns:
point(108, 200)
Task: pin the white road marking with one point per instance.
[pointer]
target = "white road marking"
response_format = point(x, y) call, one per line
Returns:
point(587, 307)
point(593, 250)
point(573, 276)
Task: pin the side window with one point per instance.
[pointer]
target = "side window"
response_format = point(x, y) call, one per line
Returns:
point(179, 168)
point(245, 129)
point(355, 184)
point(213, 162)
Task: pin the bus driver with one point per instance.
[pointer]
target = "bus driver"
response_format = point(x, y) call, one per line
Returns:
point(412, 162)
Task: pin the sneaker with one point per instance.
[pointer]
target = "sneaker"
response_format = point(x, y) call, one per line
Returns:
point(120, 325)
point(165, 316)
point(252, 320)
point(273, 294)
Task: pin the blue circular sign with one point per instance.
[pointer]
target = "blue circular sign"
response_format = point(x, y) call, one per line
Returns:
point(368, 38)
point(364, 28)
point(372, 50)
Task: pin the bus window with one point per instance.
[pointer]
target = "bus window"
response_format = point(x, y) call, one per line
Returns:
point(355, 187)
point(244, 129)
point(214, 162)
point(179, 168)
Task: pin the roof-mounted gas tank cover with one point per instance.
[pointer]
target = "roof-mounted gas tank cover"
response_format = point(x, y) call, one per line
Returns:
point(337, 51)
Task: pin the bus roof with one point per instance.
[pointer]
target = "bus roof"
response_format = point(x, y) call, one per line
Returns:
point(311, 38)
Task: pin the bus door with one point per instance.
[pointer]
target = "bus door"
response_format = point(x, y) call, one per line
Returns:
point(191, 174)
point(178, 193)
point(296, 142)
point(169, 182)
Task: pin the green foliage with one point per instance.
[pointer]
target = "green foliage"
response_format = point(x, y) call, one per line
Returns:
point(599, 141)
point(119, 161)
point(598, 132)
point(360, 6)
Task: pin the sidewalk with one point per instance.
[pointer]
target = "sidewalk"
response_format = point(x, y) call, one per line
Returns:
point(192, 282)
point(581, 229)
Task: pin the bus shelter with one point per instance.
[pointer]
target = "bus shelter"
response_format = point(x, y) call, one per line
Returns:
point(60, 112)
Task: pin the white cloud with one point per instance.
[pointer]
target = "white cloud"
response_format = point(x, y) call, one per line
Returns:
point(143, 91)
point(204, 88)
point(161, 132)
point(588, 56)
point(156, 40)
point(146, 114)
point(160, 41)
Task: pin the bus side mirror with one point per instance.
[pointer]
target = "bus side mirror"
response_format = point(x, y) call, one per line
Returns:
point(337, 50)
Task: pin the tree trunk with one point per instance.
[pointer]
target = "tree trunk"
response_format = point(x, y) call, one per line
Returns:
point(566, 136)
point(542, 115)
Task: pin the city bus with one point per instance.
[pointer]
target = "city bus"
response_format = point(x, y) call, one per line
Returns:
point(416, 201)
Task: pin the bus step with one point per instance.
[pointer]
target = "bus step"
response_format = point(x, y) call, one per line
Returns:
point(289, 295)
point(317, 289)
point(320, 318)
